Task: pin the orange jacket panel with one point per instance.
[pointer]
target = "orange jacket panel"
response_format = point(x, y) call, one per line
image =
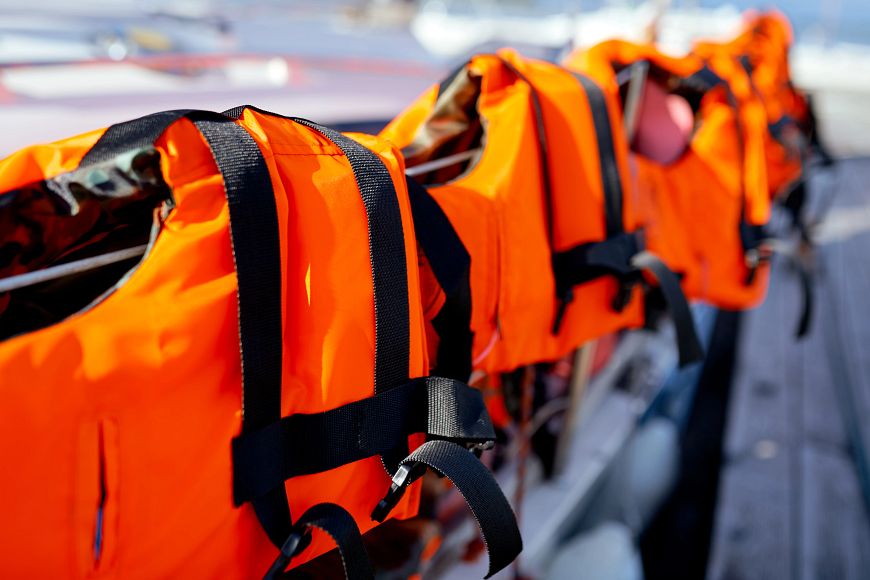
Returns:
point(696, 208)
point(138, 396)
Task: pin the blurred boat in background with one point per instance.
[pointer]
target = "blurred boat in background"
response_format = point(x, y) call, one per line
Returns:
point(68, 68)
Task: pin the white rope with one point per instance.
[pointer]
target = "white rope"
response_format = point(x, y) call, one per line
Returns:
point(441, 163)
point(84, 265)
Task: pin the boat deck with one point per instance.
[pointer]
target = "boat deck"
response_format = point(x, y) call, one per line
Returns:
point(792, 499)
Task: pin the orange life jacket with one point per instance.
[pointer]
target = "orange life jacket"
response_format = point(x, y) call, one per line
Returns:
point(259, 374)
point(762, 52)
point(533, 206)
point(704, 211)
point(758, 58)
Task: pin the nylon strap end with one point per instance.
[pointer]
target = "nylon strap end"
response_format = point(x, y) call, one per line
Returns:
point(806, 316)
point(341, 527)
point(563, 301)
point(405, 476)
point(491, 510)
point(688, 342)
point(294, 544)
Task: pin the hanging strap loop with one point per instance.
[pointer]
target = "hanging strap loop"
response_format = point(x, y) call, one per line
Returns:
point(796, 260)
point(340, 526)
point(478, 487)
point(623, 258)
point(688, 344)
point(612, 255)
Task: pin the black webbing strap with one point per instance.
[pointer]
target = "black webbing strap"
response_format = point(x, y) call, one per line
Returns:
point(811, 128)
point(611, 256)
point(256, 253)
point(473, 480)
point(741, 146)
point(451, 265)
point(387, 255)
point(543, 156)
point(702, 80)
point(752, 239)
point(746, 229)
point(688, 344)
point(303, 444)
point(791, 137)
point(135, 134)
point(746, 63)
point(613, 203)
point(761, 251)
point(621, 257)
point(610, 177)
point(793, 202)
point(806, 280)
point(543, 147)
point(587, 262)
point(341, 527)
point(779, 129)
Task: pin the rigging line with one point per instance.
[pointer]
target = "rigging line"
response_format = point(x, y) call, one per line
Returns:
point(441, 163)
point(70, 268)
point(86, 264)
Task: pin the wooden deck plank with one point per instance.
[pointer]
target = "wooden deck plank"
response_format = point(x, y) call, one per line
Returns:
point(790, 503)
point(759, 377)
point(836, 530)
point(754, 517)
point(753, 535)
point(855, 311)
point(820, 416)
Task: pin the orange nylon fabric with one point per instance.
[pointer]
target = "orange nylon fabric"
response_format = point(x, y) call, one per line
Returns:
point(692, 207)
point(752, 118)
point(763, 48)
point(498, 207)
point(145, 387)
point(578, 197)
point(661, 204)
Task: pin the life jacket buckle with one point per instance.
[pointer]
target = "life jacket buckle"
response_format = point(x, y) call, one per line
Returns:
point(623, 295)
point(483, 445)
point(405, 475)
point(754, 258)
point(565, 298)
point(297, 541)
point(477, 449)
